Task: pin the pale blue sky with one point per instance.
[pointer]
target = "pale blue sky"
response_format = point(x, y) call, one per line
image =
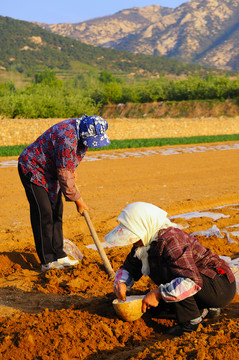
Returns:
point(72, 11)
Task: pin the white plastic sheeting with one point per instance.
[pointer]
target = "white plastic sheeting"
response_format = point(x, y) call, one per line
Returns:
point(147, 152)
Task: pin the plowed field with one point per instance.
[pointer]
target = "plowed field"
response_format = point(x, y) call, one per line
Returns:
point(68, 314)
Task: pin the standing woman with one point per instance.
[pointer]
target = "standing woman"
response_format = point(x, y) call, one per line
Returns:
point(46, 169)
point(192, 282)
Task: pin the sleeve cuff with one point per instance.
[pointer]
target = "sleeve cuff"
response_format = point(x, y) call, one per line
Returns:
point(67, 183)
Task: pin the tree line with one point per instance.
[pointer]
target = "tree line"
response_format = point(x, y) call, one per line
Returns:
point(49, 97)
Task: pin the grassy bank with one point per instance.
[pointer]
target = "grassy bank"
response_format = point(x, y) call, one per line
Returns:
point(138, 143)
point(172, 109)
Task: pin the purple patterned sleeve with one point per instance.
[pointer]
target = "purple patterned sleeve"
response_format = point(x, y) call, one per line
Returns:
point(123, 276)
point(178, 289)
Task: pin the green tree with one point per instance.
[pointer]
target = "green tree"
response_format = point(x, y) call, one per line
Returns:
point(106, 77)
point(47, 77)
point(113, 93)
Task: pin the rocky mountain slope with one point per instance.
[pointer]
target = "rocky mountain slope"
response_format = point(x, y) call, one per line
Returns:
point(198, 31)
point(28, 47)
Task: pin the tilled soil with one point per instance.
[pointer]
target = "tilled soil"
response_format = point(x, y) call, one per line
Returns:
point(68, 314)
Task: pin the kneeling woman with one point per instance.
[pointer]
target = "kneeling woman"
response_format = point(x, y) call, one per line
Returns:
point(191, 279)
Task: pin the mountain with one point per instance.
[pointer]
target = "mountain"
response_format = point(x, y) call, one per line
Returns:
point(26, 46)
point(205, 32)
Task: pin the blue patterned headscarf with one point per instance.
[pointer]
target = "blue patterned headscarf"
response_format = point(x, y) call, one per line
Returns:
point(92, 131)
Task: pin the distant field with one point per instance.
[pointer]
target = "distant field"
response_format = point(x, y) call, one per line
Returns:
point(128, 132)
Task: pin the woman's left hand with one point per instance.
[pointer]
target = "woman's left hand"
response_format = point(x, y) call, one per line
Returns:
point(151, 299)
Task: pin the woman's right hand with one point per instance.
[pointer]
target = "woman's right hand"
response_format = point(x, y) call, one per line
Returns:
point(120, 291)
point(81, 205)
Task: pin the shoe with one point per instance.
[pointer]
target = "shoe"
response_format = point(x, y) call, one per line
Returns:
point(213, 313)
point(210, 313)
point(66, 261)
point(183, 328)
point(51, 265)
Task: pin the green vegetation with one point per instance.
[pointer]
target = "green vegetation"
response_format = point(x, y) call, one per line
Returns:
point(138, 143)
point(63, 78)
point(46, 97)
point(49, 97)
point(14, 150)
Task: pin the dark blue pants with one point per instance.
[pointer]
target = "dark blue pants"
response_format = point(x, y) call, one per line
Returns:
point(46, 220)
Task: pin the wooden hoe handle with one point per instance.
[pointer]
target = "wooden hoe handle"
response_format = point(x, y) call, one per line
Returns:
point(99, 246)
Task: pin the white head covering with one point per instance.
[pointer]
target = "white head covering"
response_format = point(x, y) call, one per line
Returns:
point(138, 220)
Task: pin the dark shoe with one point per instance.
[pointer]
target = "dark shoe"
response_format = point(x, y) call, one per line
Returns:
point(210, 313)
point(186, 327)
point(213, 313)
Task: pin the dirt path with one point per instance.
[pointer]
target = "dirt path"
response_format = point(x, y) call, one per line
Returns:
point(68, 314)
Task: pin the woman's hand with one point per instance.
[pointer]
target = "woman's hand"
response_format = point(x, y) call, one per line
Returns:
point(81, 205)
point(120, 291)
point(151, 299)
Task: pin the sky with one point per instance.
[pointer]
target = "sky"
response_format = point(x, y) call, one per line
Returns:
point(72, 11)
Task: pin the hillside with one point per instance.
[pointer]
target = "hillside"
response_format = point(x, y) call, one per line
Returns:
point(26, 46)
point(205, 32)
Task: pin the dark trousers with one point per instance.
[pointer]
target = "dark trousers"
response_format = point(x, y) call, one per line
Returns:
point(46, 220)
point(215, 293)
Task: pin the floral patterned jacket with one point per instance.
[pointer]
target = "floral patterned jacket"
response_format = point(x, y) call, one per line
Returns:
point(51, 160)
